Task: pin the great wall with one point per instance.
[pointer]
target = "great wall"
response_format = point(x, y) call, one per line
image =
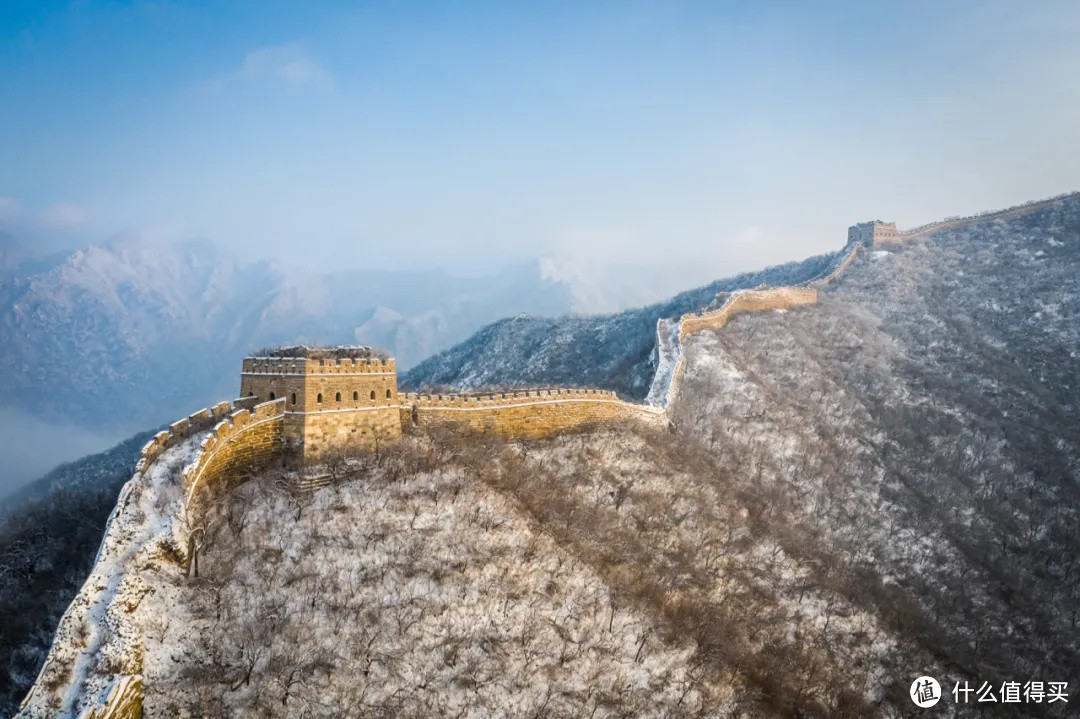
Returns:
point(309, 406)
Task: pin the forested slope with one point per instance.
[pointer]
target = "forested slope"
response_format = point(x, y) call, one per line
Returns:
point(616, 351)
point(49, 533)
point(917, 430)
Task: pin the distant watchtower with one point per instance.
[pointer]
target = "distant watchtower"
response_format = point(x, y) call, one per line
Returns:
point(873, 234)
point(334, 398)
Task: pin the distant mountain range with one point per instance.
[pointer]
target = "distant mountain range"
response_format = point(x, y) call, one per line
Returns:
point(129, 334)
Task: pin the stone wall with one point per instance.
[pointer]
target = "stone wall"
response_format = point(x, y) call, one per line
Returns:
point(244, 431)
point(244, 440)
point(747, 301)
point(951, 223)
point(840, 269)
point(530, 413)
point(315, 385)
point(670, 334)
point(363, 429)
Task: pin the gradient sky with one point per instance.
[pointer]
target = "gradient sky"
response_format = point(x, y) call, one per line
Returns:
point(400, 134)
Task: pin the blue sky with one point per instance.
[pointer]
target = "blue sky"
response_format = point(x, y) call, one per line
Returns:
point(715, 135)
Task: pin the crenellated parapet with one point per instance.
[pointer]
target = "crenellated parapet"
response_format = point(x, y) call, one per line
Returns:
point(306, 366)
point(181, 430)
point(525, 413)
point(872, 233)
point(505, 398)
point(244, 440)
point(229, 437)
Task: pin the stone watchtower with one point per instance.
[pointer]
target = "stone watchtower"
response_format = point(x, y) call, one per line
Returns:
point(873, 234)
point(334, 398)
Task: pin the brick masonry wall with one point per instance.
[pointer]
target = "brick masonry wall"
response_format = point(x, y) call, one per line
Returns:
point(182, 429)
point(543, 414)
point(335, 430)
point(744, 301)
point(319, 385)
point(747, 301)
point(497, 399)
point(840, 269)
point(244, 440)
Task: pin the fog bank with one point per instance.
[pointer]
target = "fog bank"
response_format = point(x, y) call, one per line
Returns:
point(31, 447)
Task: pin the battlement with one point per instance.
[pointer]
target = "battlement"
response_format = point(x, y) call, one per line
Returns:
point(507, 398)
point(182, 429)
point(233, 444)
point(307, 366)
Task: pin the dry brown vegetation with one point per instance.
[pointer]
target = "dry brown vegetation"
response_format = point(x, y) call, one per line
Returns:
point(644, 578)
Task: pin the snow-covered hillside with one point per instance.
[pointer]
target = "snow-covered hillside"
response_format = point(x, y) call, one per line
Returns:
point(615, 351)
point(852, 493)
point(612, 573)
point(915, 433)
point(49, 533)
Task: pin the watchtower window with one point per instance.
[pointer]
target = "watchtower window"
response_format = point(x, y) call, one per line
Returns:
point(273, 396)
point(318, 398)
point(372, 394)
point(251, 394)
point(294, 397)
point(355, 396)
point(337, 397)
point(388, 394)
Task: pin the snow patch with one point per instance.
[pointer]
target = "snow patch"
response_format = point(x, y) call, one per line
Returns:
point(95, 631)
